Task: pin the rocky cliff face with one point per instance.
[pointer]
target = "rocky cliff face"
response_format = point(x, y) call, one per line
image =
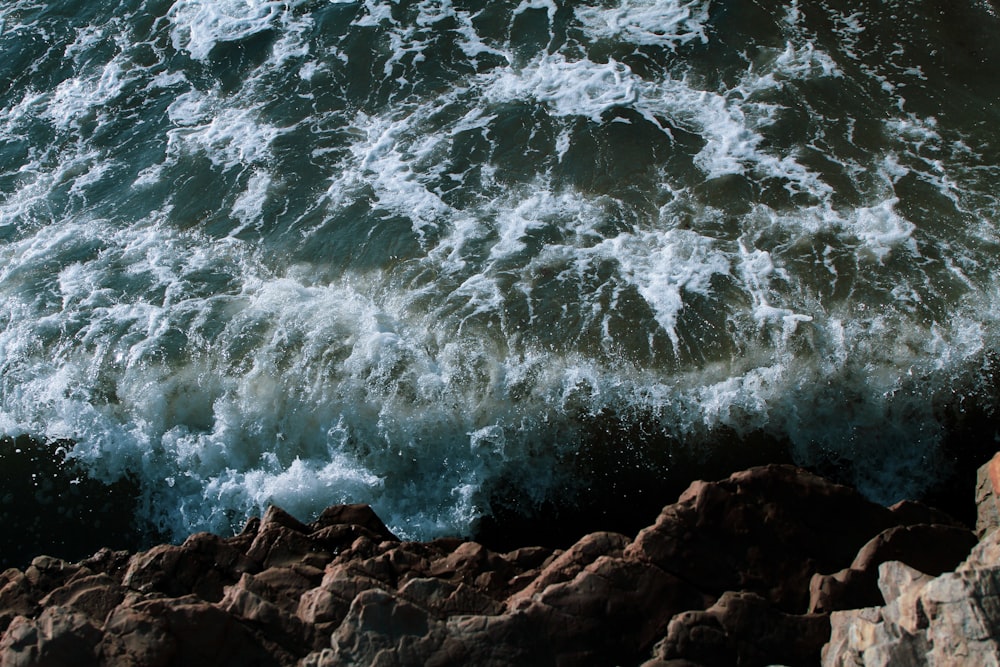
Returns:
point(745, 571)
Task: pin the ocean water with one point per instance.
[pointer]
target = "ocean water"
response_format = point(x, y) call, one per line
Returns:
point(426, 253)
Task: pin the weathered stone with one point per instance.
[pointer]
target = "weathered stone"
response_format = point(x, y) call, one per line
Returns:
point(900, 586)
point(94, 596)
point(277, 545)
point(984, 555)
point(179, 632)
point(355, 515)
point(270, 620)
point(109, 562)
point(721, 578)
point(444, 598)
point(744, 628)
point(932, 549)
point(383, 629)
point(779, 525)
point(203, 565)
point(947, 620)
point(614, 609)
point(571, 562)
point(59, 637)
point(46, 572)
point(988, 496)
point(17, 597)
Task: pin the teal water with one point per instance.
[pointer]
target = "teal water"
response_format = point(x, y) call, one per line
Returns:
point(412, 253)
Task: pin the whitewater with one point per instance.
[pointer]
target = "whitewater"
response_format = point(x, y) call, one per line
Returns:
point(426, 253)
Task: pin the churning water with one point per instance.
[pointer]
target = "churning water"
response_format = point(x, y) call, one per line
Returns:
point(411, 252)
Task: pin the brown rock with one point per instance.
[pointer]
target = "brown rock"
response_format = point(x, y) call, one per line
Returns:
point(744, 628)
point(612, 610)
point(765, 530)
point(46, 572)
point(94, 596)
point(571, 562)
point(17, 597)
point(354, 515)
point(271, 621)
point(988, 496)
point(59, 637)
point(179, 632)
point(932, 549)
point(379, 625)
point(203, 565)
point(444, 598)
point(277, 545)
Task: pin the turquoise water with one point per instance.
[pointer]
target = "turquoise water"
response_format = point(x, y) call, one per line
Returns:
point(413, 253)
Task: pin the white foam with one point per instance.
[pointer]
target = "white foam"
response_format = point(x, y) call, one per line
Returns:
point(568, 87)
point(669, 24)
point(249, 206)
point(229, 136)
point(198, 25)
point(663, 266)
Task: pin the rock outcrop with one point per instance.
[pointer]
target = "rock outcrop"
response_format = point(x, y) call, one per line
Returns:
point(930, 616)
point(743, 571)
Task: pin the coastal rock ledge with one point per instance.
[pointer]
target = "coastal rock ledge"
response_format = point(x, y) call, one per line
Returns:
point(773, 565)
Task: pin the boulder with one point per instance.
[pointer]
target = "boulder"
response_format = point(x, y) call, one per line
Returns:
point(746, 629)
point(988, 496)
point(766, 530)
point(930, 548)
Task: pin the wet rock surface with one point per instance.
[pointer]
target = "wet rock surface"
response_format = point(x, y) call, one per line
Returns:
point(750, 570)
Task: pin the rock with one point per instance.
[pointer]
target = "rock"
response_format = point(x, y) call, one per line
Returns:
point(568, 564)
point(927, 621)
point(722, 577)
point(354, 515)
point(93, 596)
point(988, 496)
point(179, 632)
point(614, 609)
point(381, 628)
point(932, 549)
point(203, 565)
point(17, 597)
point(443, 598)
point(745, 629)
point(765, 530)
point(59, 637)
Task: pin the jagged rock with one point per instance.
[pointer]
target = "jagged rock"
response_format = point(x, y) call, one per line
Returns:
point(988, 496)
point(932, 621)
point(381, 628)
point(779, 525)
point(59, 637)
point(571, 562)
point(203, 565)
point(362, 516)
point(614, 609)
point(94, 596)
point(46, 573)
point(720, 578)
point(17, 597)
point(743, 628)
point(932, 549)
point(179, 632)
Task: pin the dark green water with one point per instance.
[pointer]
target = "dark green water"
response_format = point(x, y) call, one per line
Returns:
point(428, 254)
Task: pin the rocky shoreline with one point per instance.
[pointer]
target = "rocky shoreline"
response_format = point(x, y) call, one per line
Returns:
point(773, 565)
